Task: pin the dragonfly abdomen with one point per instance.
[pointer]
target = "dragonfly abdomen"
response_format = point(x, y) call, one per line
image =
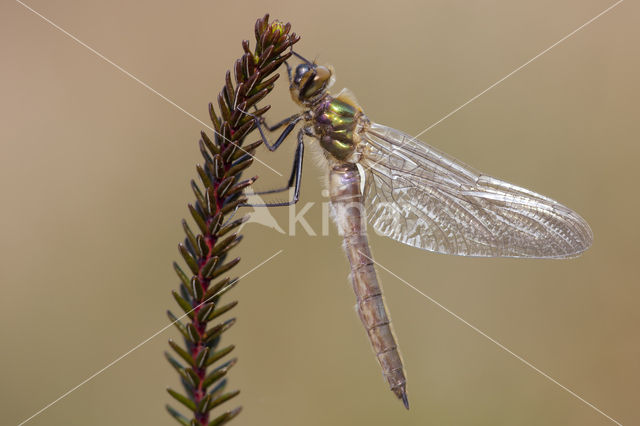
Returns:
point(346, 201)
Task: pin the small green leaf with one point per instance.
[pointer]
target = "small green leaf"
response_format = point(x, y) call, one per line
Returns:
point(183, 277)
point(249, 85)
point(210, 199)
point(214, 119)
point(238, 116)
point(238, 70)
point(202, 224)
point(219, 354)
point(209, 267)
point(227, 365)
point(226, 131)
point(203, 176)
point(225, 185)
point(243, 131)
point(265, 56)
point(273, 65)
point(224, 268)
point(179, 325)
point(182, 399)
point(265, 84)
point(184, 304)
point(226, 417)
point(179, 417)
point(174, 362)
point(218, 389)
point(183, 354)
point(185, 292)
point(193, 251)
point(229, 150)
point(233, 205)
point(213, 315)
point(245, 46)
point(219, 288)
point(204, 403)
point(211, 294)
point(189, 233)
point(228, 88)
point(197, 192)
point(218, 373)
point(258, 97)
point(248, 149)
point(240, 166)
point(196, 288)
point(194, 336)
point(242, 185)
point(216, 223)
point(202, 246)
point(261, 111)
point(222, 246)
point(213, 377)
point(193, 377)
point(204, 151)
point(217, 330)
point(202, 357)
point(205, 310)
point(188, 257)
point(186, 382)
point(222, 399)
point(225, 229)
point(218, 167)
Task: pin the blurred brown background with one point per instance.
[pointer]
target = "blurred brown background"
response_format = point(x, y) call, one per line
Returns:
point(94, 173)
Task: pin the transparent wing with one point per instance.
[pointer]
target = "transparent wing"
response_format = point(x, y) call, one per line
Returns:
point(422, 197)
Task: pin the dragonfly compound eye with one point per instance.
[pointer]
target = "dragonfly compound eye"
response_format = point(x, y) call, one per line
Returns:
point(314, 83)
point(301, 71)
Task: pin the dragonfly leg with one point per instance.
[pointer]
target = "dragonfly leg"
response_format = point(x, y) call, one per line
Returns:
point(302, 58)
point(291, 122)
point(290, 182)
point(294, 180)
point(289, 70)
point(279, 124)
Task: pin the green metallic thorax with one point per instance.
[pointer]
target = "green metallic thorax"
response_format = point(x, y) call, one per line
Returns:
point(335, 123)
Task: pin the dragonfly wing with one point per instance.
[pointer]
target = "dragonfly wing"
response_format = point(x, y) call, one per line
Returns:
point(422, 197)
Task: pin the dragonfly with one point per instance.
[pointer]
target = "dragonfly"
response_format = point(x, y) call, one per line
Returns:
point(413, 193)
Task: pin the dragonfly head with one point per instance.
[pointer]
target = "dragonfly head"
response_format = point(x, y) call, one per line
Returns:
point(310, 82)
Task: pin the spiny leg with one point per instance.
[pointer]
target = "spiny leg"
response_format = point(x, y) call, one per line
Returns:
point(291, 121)
point(302, 58)
point(294, 180)
point(292, 177)
point(279, 124)
point(289, 70)
point(290, 182)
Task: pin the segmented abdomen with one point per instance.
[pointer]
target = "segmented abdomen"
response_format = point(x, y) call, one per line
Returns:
point(346, 202)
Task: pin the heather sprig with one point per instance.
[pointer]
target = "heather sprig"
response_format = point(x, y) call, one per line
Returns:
point(200, 363)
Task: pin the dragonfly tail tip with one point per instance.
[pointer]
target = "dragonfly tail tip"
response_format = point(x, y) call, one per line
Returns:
point(401, 393)
point(405, 400)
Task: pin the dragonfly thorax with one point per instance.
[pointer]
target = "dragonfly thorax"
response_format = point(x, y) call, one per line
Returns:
point(336, 122)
